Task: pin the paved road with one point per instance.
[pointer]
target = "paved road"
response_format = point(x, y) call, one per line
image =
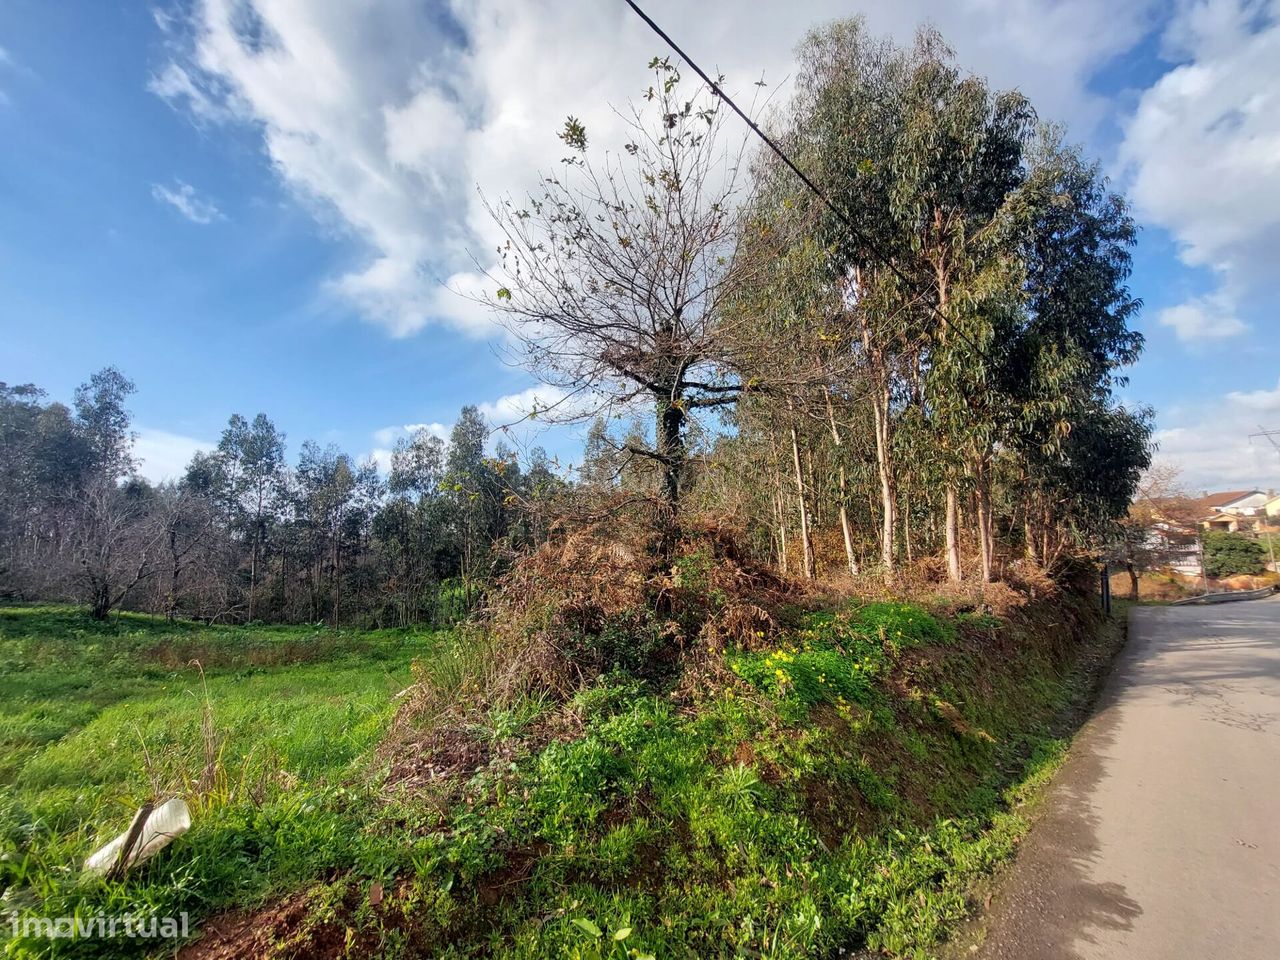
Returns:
point(1160, 838)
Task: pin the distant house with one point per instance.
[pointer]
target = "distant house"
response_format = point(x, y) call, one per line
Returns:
point(1175, 546)
point(1232, 522)
point(1235, 510)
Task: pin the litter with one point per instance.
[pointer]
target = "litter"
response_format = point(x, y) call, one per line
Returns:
point(150, 832)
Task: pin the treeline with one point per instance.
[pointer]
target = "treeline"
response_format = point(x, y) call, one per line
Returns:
point(245, 535)
point(910, 360)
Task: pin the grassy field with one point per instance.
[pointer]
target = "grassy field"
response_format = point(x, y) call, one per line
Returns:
point(261, 728)
point(841, 788)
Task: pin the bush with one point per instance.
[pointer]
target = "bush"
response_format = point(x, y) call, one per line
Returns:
point(1228, 554)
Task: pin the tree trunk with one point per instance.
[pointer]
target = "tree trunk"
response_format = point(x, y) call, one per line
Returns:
point(1029, 535)
point(888, 493)
point(670, 419)
point(101, 603)
point(253, 573)
point(954, 573)
point(986, 542)
point(845, 529)
point(805, 541)
point(1132, 570)
point(779, 501)
point(906, 526)
point(171, 601)
point(779, 507)
point(1046, 534)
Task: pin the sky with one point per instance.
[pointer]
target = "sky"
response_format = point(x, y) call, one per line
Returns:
point(278, 205)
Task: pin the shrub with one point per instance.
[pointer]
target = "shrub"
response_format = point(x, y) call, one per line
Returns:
point(1227, 554)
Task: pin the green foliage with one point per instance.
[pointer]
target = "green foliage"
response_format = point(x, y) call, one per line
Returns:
point(836, 659)
point(1227, 554)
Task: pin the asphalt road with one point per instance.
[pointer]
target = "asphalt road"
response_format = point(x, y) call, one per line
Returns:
point(1160, 837)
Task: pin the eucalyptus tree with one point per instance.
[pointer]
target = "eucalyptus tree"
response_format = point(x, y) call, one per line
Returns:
point(615, 275)
point(253, 465)
point(920, 159)
point(960, 168)
point(104, 420)
point(1068, 356)
point(325, 488)
point(847, 125)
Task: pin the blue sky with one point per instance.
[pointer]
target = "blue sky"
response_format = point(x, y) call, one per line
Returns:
point(265, 205)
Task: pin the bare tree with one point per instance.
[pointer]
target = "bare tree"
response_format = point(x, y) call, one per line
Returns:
point(116, 547)
point(616, 277)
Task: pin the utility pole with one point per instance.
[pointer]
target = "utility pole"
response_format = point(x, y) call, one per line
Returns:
point(1271, 436)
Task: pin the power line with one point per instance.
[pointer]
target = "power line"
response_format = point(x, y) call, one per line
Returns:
point(1269, 434)
point(844, 217)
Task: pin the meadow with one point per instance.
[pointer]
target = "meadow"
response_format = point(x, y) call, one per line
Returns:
point(262, 729)
point(842, 787)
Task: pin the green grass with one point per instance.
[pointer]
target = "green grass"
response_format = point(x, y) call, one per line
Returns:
point(845, 793)
point(95, 718)
point(769, 820)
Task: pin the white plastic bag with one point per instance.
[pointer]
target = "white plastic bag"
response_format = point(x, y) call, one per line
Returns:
point(170, 819)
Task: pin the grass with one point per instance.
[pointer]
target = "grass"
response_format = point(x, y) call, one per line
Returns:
point(259, 728)
point(840, 790)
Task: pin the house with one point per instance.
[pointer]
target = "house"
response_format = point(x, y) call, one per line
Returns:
point(1235, 510)
point(1232, 522)
point(1272, 509)
point(1175, 546)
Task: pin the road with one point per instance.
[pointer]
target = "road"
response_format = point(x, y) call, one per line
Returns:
point(1160, 837)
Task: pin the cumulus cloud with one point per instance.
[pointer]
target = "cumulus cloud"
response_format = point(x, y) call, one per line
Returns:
point(1203, 318)
point(386, 115)
point(164, 456)
point(387, 436)
point(1202, 150)
point(1213, 447)
point(528, 405)
point(187, 201)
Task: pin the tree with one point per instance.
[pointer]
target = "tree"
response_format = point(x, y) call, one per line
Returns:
point(252, 466)
point(924, 160)
point(186, 521)
point(1159, 528)
point(473, 491)
point(116, 549)
point(417, 465)
point(615, 276)
point(1227, 554)
point(101, 414)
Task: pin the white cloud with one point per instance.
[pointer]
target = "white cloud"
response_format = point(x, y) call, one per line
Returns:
point(528, 405)
point(184, 198)
point(1202, 148)
point(1203, 318)
point(1214, 450)
point(1266, 402)
point(387, 436)
point(385, 115)
point(381, 457)
point(164, 456)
